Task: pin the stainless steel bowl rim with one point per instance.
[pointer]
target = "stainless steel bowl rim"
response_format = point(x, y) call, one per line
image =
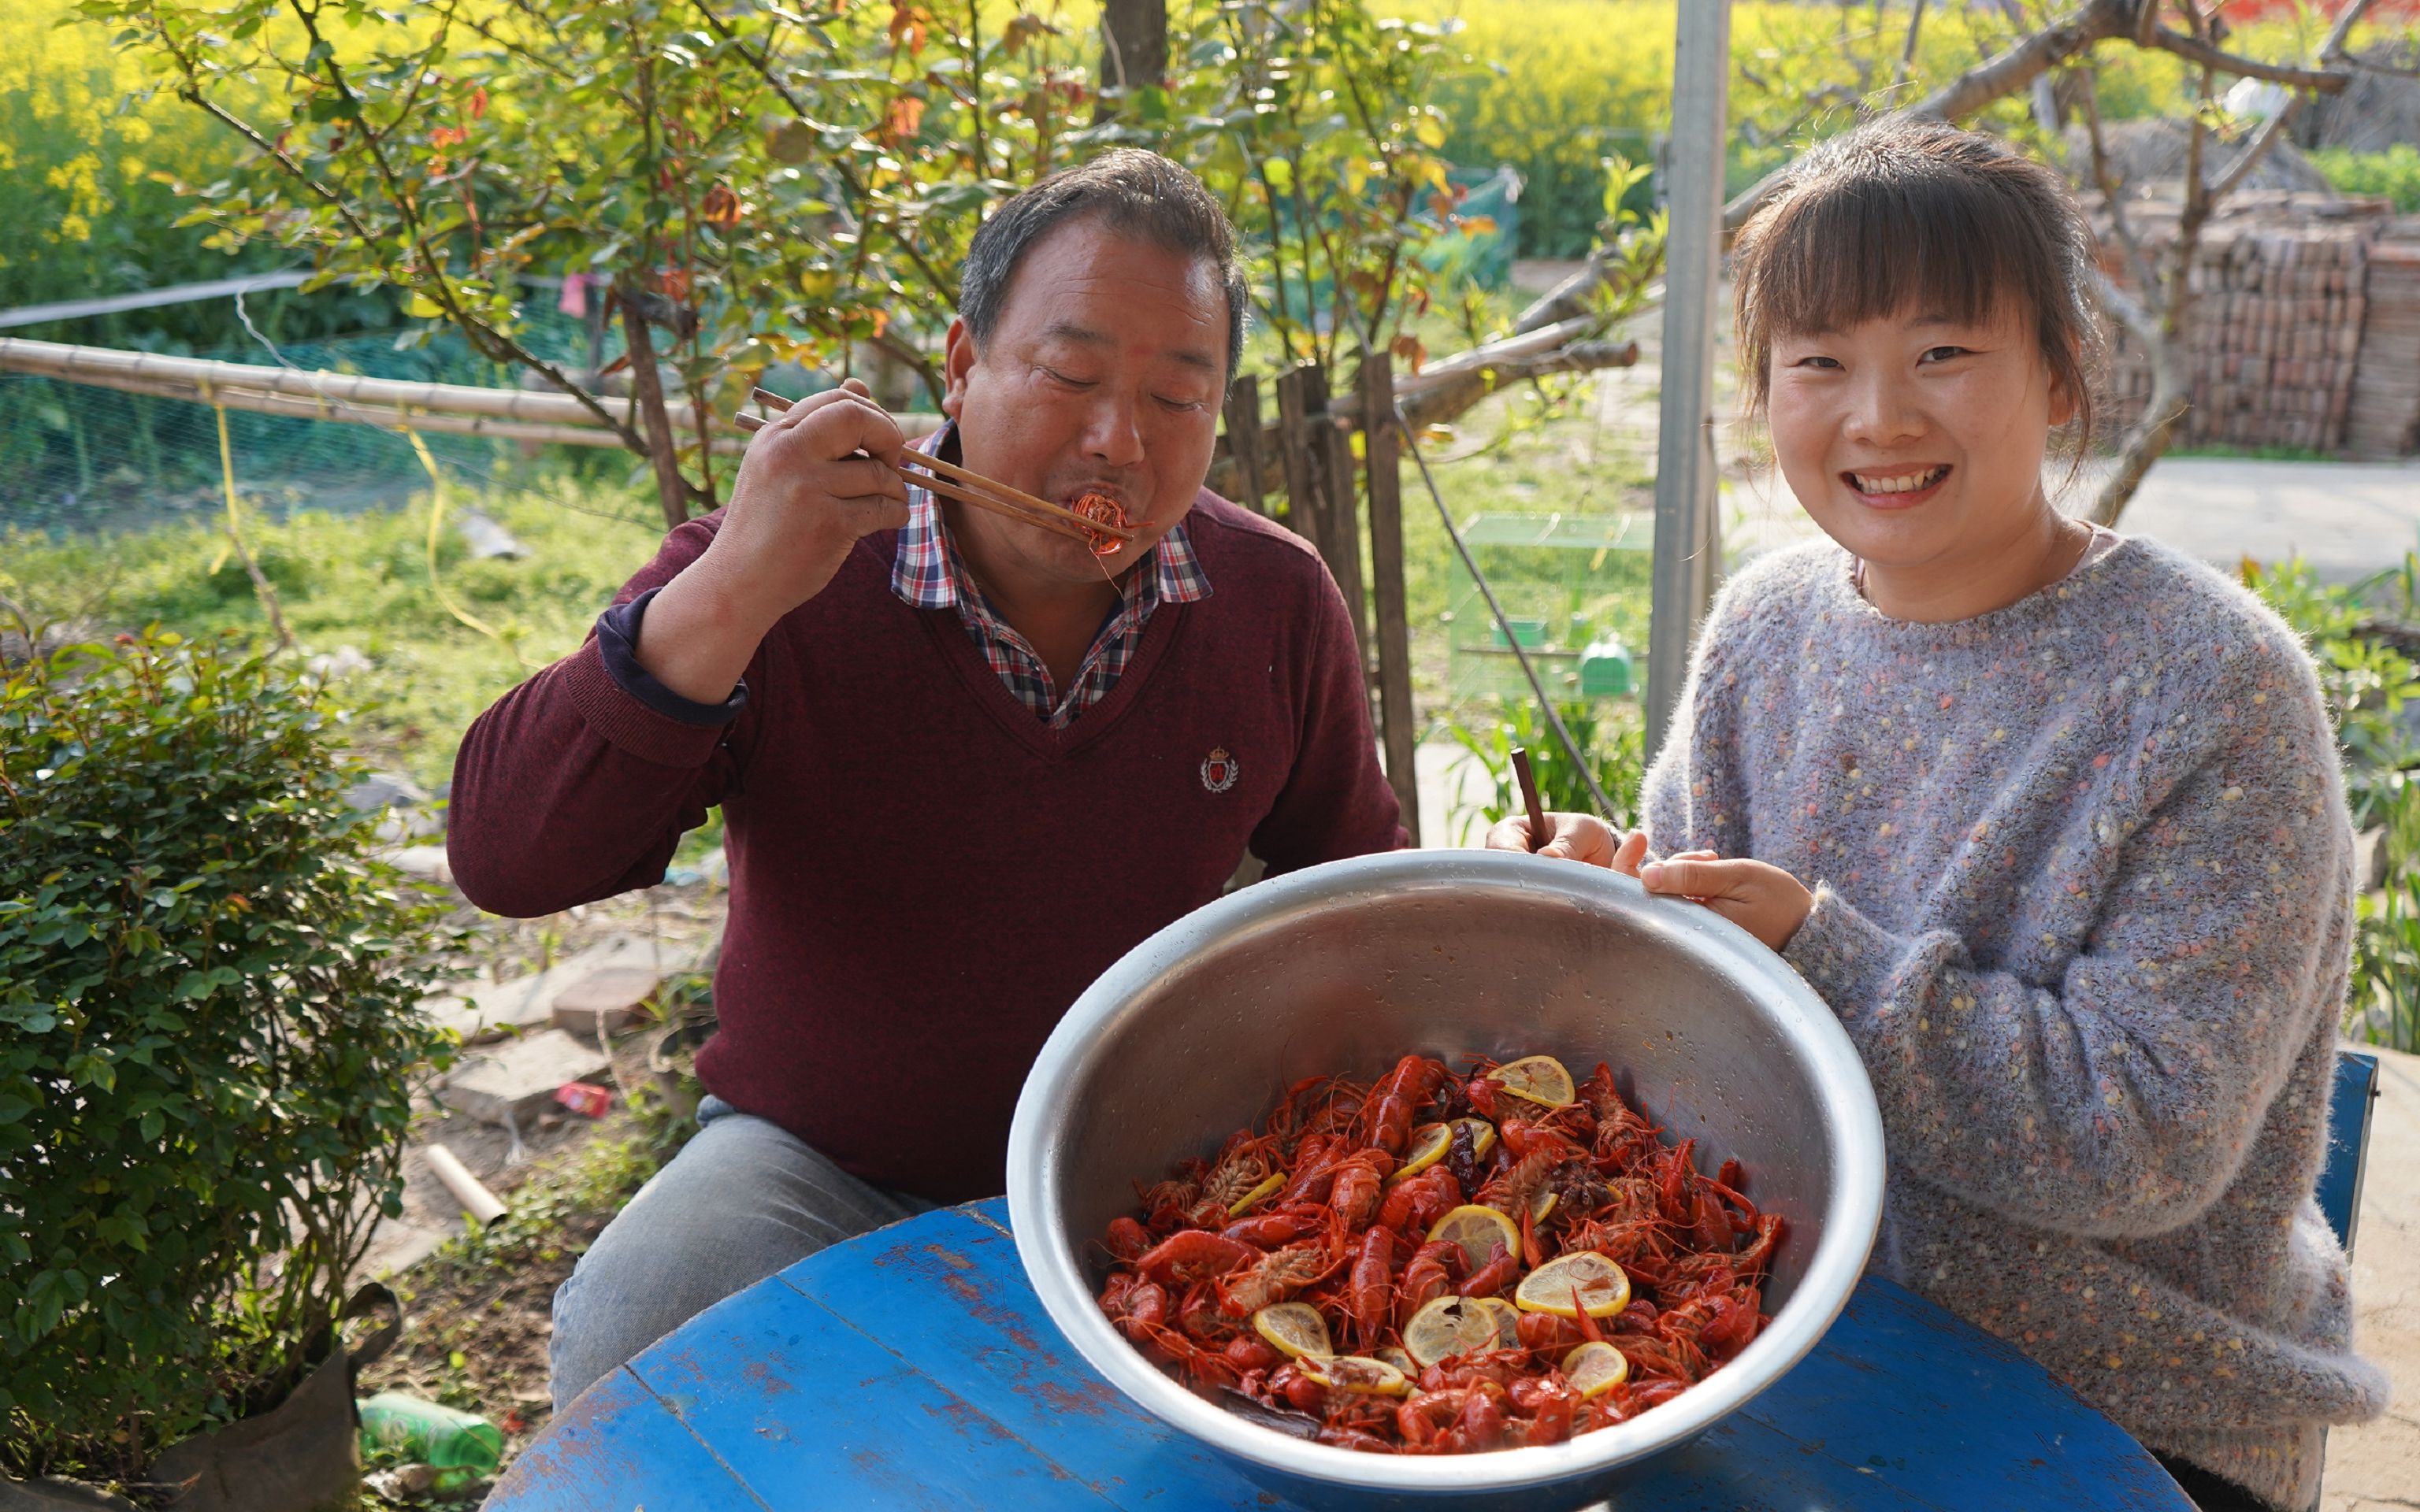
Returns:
point(1052, 1257)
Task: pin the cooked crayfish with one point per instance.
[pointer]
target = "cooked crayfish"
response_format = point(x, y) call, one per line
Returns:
point(1410, 1213)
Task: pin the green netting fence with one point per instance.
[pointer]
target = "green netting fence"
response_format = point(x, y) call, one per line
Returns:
point(75, 457)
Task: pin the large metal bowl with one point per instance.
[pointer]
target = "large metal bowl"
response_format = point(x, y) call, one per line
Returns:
point(1345, 968)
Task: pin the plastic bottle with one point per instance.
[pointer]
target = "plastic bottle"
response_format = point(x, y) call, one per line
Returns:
point(463, 1443)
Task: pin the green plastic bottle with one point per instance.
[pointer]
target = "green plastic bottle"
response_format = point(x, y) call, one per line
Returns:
point(463, 1447)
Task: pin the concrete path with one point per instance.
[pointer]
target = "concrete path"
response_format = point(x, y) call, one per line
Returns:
point(2377, 1466)
point(2348, 519)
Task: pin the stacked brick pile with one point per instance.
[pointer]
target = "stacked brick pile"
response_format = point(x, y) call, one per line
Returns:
point(2384, 419)
point(2281, 293)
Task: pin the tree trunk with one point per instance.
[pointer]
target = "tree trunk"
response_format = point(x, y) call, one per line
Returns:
point(1134, 53)
point(672, 489)
point(2151, 435)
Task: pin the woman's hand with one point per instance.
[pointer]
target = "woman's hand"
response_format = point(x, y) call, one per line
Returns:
point(1764, 899)
point(1574, 837)
point(1760, 898)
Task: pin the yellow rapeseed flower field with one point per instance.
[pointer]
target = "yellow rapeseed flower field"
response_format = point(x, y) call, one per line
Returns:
point(1552, 87)
point(77, 165)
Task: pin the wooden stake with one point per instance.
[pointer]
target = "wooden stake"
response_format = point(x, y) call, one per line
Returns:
point(1243, 414)
point(1398, 724)
point(1528, 782)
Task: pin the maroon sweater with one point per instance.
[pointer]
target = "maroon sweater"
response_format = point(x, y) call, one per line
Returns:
point(922, 876)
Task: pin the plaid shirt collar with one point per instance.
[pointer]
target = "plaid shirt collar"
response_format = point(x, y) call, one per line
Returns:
point(928, 573)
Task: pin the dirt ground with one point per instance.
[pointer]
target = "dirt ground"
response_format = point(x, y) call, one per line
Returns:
point(477, 1303)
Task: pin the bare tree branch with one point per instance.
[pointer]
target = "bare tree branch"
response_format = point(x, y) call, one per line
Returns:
point(2095, 23)
point(2112, 194)
point(2195, 50)
point(672, 492)
point(2389, 69)
point(2128, 309)
point(2333, 50)
point(1907, 53)
point(1442, 403)
point(2256, 149)
point(2006, 74)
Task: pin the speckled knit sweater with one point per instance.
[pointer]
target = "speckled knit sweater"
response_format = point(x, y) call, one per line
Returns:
point(2083, 895)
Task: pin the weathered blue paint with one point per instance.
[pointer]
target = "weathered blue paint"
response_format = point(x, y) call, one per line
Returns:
point(913, 1368)
point(809, 1411)
point(948, 1294)
point(2339, 1190)
point(618, 1450)
point(1905, 1394)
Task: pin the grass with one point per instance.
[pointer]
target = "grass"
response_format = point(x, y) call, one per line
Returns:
point(2394, 172)
point(1504, 462)
point(363, 580)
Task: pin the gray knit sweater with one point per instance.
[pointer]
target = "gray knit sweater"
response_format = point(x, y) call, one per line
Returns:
point(2083, 897)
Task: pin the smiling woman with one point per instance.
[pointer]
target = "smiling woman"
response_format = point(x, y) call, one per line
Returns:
point(2051, 819)
point(1914, 324)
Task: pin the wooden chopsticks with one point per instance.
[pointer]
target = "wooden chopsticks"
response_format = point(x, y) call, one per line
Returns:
point(950, 481)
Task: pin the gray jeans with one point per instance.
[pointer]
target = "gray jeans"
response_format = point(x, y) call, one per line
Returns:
point(743, 1199)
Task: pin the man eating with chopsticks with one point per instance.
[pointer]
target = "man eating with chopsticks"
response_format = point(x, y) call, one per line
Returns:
point(964, 763)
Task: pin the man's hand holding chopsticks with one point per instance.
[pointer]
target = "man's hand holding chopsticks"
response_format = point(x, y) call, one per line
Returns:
point(818, 478)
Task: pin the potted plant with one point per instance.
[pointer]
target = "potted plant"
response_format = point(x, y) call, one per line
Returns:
point(208, 1035)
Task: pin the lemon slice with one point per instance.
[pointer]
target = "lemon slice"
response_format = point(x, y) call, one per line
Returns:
point(1430, 1142)
point(1542, 1204)
point(1482, 1134)
point(1269, 1188)
point(1508, 1320)
point(1295, 1327)
point(1478, 1230)
point(1460, 1325)
point(1538, 1079)
point(1603, 1291)
point(1357, 1372)
point(1397, 1358)
point(1595, 1368)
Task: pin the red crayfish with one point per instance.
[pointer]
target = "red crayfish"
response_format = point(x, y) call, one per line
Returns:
point(1510, 1258)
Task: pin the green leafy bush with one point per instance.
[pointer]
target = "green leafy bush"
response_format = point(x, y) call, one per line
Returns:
point(209, 1026)
point(2368, 679)
point(2382, 1004)
point(2394, 172)
point(1610, 737)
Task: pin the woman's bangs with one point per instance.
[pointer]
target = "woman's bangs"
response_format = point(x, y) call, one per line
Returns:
point(1876, 248)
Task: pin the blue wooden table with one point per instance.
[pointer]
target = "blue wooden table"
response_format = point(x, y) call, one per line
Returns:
point(914, 1368)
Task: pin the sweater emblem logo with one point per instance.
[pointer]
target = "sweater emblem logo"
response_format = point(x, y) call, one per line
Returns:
point(1219, 770)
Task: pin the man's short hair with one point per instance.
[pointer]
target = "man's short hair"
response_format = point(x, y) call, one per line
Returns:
point(1132, 191)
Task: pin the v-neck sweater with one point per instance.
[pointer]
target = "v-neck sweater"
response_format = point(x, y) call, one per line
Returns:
point(923, 874)
point(2084, 896)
